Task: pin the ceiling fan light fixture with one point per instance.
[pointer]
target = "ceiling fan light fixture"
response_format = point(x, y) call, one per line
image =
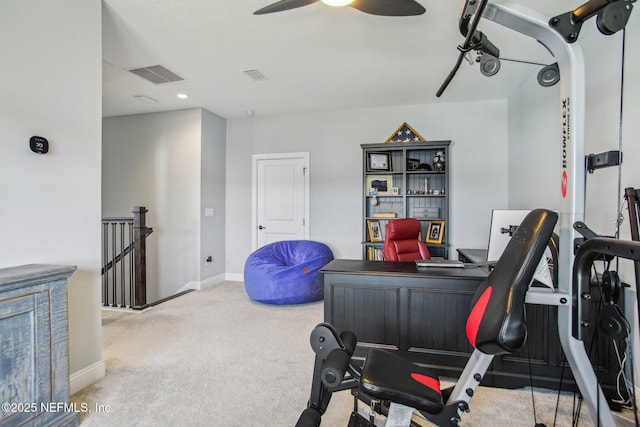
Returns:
point(337, 2)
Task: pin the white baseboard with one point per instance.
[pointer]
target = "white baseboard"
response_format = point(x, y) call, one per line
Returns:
point(189, 286)
point(202, 284)
point(86, 376)
point(212, 281)
point(234, 277)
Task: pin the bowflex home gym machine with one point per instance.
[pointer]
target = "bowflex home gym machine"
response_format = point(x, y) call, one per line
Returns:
point(495, 324)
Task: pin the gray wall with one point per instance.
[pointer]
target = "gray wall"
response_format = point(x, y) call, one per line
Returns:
point(534, 130)
point(173, 164)
point(212, 228)
point(50, 210)
point(478, 165)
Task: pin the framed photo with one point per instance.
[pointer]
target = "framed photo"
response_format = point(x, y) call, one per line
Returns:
point(379, 161)
point(435, 232)
point(382, 184)
point(413, 164)
point(375, 232)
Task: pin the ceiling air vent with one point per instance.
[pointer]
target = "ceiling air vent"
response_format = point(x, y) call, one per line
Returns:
point(157, 74)
point(254, 74)
point(146, 99)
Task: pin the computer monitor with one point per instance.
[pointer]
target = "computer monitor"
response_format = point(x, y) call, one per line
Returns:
point(503, 224)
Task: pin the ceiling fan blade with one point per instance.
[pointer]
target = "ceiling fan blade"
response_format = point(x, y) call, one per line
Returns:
point(283, 5)
point(389, 7)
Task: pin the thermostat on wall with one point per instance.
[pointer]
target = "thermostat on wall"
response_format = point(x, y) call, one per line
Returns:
point(39, 144)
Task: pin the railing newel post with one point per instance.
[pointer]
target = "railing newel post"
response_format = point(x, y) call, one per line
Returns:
point(140, 248)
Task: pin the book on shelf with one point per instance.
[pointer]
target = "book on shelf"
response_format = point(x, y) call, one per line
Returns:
point(374, 254)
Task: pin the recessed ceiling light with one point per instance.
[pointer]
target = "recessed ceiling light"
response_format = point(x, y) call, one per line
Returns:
point(182, 96)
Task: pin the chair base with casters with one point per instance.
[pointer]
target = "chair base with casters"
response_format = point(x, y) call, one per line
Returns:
point(495, 326)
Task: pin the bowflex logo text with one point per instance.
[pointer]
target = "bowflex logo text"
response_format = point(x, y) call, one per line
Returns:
point(566, 139)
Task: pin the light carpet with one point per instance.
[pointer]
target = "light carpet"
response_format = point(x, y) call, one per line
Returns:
point(215, 358)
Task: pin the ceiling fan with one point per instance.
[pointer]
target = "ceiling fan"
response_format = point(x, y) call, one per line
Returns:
point(373, 7)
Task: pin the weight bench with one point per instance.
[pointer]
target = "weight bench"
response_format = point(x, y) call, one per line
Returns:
point(495, 326)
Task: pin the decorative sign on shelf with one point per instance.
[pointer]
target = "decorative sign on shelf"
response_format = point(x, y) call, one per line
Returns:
point(384, 215)
point(405, 133)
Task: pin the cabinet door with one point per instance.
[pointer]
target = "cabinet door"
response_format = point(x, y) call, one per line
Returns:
point(436, 326)
point(371, 312)
point(25, 355)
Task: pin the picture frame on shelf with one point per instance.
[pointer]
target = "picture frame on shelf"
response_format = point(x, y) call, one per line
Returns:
point(380, 161)
point(375, 230)
point(383, 184)
point(435, 232)
point(413, 164)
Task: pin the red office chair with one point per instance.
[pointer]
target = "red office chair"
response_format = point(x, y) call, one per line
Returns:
point(401, 241)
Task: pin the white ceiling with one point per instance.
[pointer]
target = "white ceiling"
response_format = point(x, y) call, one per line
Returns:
point(314, 58)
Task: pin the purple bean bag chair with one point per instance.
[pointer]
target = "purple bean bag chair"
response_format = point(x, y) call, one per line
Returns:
point(287, 272)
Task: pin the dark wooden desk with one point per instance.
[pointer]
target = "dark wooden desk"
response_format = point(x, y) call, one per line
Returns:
point(422, 312)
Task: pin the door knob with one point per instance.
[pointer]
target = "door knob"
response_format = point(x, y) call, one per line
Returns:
point(261, 227)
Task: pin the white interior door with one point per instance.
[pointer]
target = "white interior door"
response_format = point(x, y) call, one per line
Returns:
point(281, 197)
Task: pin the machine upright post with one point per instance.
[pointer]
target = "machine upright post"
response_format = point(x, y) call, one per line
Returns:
point(571, 185)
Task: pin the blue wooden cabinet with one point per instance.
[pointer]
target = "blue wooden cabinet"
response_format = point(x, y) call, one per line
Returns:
point(34, 346)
